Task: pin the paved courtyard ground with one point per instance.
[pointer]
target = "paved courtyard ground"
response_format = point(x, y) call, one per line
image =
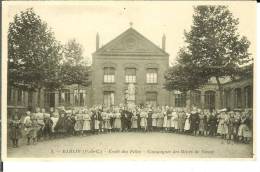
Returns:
point(133, 146)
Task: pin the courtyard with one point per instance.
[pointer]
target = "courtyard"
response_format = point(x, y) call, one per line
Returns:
point(131, 145)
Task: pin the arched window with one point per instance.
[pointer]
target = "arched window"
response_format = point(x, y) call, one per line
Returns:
point(109, 75)
point(248, 96)
point(238, 98)
point(210, 99)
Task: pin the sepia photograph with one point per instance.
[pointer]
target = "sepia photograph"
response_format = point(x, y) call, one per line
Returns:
point(128, 80)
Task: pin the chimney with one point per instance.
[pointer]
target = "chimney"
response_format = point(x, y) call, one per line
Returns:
point(97, 41)
point(163, 42)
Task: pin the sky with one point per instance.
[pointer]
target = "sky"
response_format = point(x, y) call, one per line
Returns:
point(83, 20)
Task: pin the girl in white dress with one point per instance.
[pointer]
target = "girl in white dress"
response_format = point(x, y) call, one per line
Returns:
point(54, 118)
point(187, 123)
point(169, 116)
point(134, 121)
point(117, 123)
point(110, 120)
point(174, 120)
point(96, 121)
point(160, 120)
point(165, 120)
point(79, 123)
point(86, 122)
point(154, 119)
point(143, 122)
point(103, 116)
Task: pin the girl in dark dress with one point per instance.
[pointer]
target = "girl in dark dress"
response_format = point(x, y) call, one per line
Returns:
point(60, 126)
point(194, 122)
point(149, 120)
point(212, 124)
point(15, 130)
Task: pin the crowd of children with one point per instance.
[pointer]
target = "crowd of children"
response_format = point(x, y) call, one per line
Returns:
point(230, 125)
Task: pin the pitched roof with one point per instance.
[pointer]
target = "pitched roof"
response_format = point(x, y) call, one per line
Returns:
point(131, 43)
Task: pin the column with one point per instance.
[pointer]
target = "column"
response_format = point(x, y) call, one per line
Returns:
point(202, 99)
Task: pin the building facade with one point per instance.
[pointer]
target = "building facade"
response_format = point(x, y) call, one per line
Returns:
point(132, 58)
point(129, 58)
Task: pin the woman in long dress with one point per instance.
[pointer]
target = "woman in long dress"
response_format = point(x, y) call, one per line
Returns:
point(96, 121)
point(154, 119)
point(181, 121)
point(107, 121)
point(160, 120)
point(201, 123)
point(79, 123)
point(169, 116)
point(243, 130)
point(143, 122)
point(40, 119)
point(174, 121)
point(221, 127)
point(35, 128)
point(117, 125)
point(134, 121)
point(60, 126)
point(54, 118)
point(86, 122)
point(237, 117)
point(187, 123)
point(15, 130)
point(165, 120)
point(28, 126)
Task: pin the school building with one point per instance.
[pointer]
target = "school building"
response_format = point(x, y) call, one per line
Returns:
point(132, 58)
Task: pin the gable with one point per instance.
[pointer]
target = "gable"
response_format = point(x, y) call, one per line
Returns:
point(131, 43)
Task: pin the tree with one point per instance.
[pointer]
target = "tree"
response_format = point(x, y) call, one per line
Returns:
point(214, 48)
point(74, 69)
point(183, 76)
point(33, 53)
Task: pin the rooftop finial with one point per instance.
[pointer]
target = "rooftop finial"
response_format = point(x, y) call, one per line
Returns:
point(131, 24)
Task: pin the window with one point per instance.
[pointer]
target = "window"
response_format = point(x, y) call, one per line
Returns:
point(109, 98)
point(196, 98)
point(30, 98)
point(82, 95)
point(64, 97)
point(248, 97)
point(151, 76)
point(238, 98)
point(49, 98)
point(109, 75)
point(19, 97)
point(79, 97)
point(76, 97)
point(151, 98)
point(130, 75)
point(180, 99)
point(227, 95)
point(210, 100)
point(46, 99)
point(9, 96)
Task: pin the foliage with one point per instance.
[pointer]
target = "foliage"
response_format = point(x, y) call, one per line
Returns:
point(33, 52)
point(74, 70)
point(214, 49)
